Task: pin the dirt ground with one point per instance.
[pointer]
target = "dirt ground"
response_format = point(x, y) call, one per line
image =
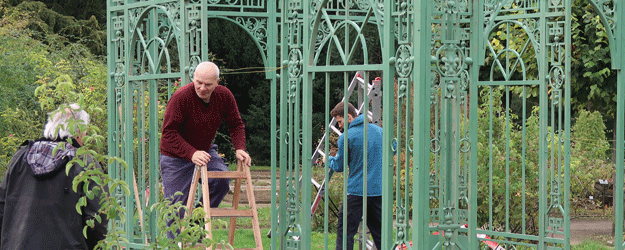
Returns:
point(598, 229)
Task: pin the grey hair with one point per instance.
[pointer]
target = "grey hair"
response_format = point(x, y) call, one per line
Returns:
point(60, 119)
point(205, 66)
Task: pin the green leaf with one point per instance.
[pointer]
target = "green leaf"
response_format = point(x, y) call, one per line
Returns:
point(90, 195)
point(81, 203)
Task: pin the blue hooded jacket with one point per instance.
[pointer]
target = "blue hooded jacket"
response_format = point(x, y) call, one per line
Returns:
point(355, 157)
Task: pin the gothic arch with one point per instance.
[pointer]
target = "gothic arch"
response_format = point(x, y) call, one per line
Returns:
point(255, 29)
point(141, 46)
point(508, 70)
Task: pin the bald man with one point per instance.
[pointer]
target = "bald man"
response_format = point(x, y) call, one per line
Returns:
point(192, 117)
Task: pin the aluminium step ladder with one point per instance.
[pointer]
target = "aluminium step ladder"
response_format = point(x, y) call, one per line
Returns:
point(373, 92)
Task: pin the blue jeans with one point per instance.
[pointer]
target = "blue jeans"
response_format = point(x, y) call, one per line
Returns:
point(177, 175)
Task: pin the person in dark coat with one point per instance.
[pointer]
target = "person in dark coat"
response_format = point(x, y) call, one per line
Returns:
point(37, 201)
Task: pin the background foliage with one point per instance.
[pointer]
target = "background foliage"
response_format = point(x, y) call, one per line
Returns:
point(58, 47)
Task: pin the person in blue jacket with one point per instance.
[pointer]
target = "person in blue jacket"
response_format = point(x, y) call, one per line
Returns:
point(355, 161)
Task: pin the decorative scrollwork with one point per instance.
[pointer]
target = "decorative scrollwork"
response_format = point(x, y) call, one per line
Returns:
point(401, 90)
point(448, 224)
point(400, 225)
point(119, 74)
point(450, 90)
point(193, 62)
point(295, 63)
point(464, 81)
point(379, 7)
point(292, 91)
point(455, 7)
point(556, 77)
point(465, 144)
point(451, 60)
point(404, 60)
point(257, 27)
point(530, 24)
point(435, 81)
point(363, 4)
point(133, 18)
point(433, 188)
point(435, 145)
point(556, 3)
point(322, 34)
point(174, 12)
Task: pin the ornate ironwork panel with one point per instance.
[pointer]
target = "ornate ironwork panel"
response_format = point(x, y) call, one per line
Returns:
point(524, 92)
point(153, 48)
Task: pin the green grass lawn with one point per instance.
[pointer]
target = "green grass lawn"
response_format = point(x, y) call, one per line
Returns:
point(591, 245)
point(245, 237)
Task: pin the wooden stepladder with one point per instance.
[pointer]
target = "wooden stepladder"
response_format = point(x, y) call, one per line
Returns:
point(233, 212)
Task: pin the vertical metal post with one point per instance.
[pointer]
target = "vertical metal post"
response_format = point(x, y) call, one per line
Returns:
point(477, 56)
point(111, 99)
point(272, 56)
point(307, 109)
point(620, 126)
point(543, 128)
point(421, 121)
point(388, 52)
point(127, 114)
point(567, 125)
point(620, 159)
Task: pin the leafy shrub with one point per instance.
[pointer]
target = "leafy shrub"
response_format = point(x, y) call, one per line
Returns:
point(589, 155)
point(494, 161)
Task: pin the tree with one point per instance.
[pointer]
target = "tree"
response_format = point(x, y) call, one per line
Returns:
point(242, 71)
point(593, 81)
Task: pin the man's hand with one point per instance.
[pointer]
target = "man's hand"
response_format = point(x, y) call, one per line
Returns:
point(200, 158)
point(244, 158)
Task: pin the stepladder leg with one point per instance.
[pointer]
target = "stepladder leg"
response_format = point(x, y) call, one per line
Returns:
point(193, 189)
point(201, 172)
point(252, 202)
point(235, 205)
point(206, 205)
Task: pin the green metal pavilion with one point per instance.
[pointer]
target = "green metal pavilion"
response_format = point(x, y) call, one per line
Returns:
point(431, 57)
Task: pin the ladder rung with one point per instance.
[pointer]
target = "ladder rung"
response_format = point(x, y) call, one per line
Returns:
point(227, 174)
point(336, 130)
point(321, 152)
point(229, 212)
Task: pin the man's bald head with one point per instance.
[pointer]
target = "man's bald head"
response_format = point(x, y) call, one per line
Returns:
point(207, 69)
point(205, 80)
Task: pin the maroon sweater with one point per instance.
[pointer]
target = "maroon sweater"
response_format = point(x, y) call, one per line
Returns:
point(190, 124)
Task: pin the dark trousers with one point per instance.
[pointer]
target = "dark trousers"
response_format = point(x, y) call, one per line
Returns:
point(177, 175)
point(354, 217)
